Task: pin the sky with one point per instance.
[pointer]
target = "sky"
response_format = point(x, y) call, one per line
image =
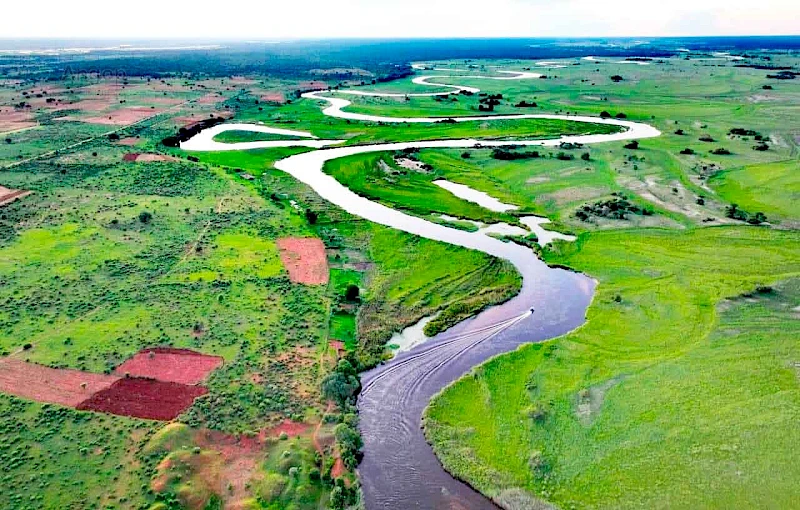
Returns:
point(319, 19)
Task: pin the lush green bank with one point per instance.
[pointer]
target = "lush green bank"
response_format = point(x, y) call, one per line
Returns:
point(669, 397)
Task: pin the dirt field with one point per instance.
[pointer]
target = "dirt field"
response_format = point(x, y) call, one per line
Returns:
point(147, 158)
point(170, 365)
point(122, 117)
point(56, 386)
point(313, 85)
point(144, 398)
point(9, 195)
point(129, 141)
point(305, 260)
point(14, 120)
point(273, 97)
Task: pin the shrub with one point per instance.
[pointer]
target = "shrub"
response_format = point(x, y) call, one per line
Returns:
point(311, 216)
point(466, 155)
point(720, 151)
point(585, 156)
point(145, 217)
point(632, 145)
point(617, 78)
point(706, 138)
point(679, 132)
point(687, 151)
point(351, 294)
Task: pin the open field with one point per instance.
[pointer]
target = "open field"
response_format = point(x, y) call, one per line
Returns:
point(668, 385)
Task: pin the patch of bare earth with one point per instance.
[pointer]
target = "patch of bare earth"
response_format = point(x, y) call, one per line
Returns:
point(304, 259)
point(148, 158)
point(274, 97)
point(56, 386)
point(15, 120)
point(9, 195)
point(123, 116)
point(171, 365)
point(129, 141)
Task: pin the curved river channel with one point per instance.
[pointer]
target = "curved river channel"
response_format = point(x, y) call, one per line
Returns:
point(399, 470)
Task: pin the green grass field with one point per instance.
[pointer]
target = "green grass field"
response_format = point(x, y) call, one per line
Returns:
point(677, 393)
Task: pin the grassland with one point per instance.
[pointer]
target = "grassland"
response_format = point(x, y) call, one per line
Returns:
point(108, 256)
point(671, 396)
point(657, 377)
point(680, 390)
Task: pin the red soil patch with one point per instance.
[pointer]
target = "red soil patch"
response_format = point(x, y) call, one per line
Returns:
point(147, 158)
point(291, 428)
point(210, 99)
point(14, 120)
point(56, 386)
point(160, 100)
point(144, 398)
point(274, 97)
point(305, 260)
point(123, 116)
point(170, 365)
point(129, 141)
point(338, 470)
point(313, 85)
point(9, 195)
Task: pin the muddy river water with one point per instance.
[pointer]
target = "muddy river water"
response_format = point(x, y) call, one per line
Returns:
point(399, 470)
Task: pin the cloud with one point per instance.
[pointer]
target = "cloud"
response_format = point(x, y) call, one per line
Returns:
point(411, 18)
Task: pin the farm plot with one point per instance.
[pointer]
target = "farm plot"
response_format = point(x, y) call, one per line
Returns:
point(304, 259)
point(55, 386)
point(144, 398)
point(166, 364)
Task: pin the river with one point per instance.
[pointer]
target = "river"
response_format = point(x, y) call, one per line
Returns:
point(399, 470)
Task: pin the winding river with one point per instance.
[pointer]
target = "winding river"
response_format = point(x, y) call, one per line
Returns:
point(399, 470)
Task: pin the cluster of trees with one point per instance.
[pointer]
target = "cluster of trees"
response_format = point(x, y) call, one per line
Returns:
point(606, 115)
point(733, 212)
point(489, 101)
point(507, 155)
point(617, 208)
point(185, 133)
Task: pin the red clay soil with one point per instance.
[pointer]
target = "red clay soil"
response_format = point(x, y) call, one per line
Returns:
point(313, 85)
point(144, 398)
point(338, 470)
point(147, 158)
point(170, 365)
point(122, 117)
point(9, 195)
point(274, 97)
point(128, 141)
point(210, 99)
point(56, 386)
point(14, 120)
point(304, 259)
point(291, 428)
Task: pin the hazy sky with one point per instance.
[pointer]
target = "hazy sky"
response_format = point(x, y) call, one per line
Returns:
point(268, 19)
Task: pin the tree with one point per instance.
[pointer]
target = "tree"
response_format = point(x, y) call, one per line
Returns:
point(351, 294)
point(145, 217)
point(340, 387)
point(311, 216)
point(585, 156)
point(617, 78)
point(632, 145)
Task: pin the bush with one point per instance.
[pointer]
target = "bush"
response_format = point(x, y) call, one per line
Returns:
point(466, 155)
point(706, 138)
point(632, 145)
point(679, 132)
point(351, 294)
point(311, 216)
point(687, 151)
point(585, 156)
point(617, 78)
point(145, 217)
point(720, 151)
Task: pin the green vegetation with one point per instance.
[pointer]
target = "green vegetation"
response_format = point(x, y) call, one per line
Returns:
point(667, 385)
point(773, 188)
